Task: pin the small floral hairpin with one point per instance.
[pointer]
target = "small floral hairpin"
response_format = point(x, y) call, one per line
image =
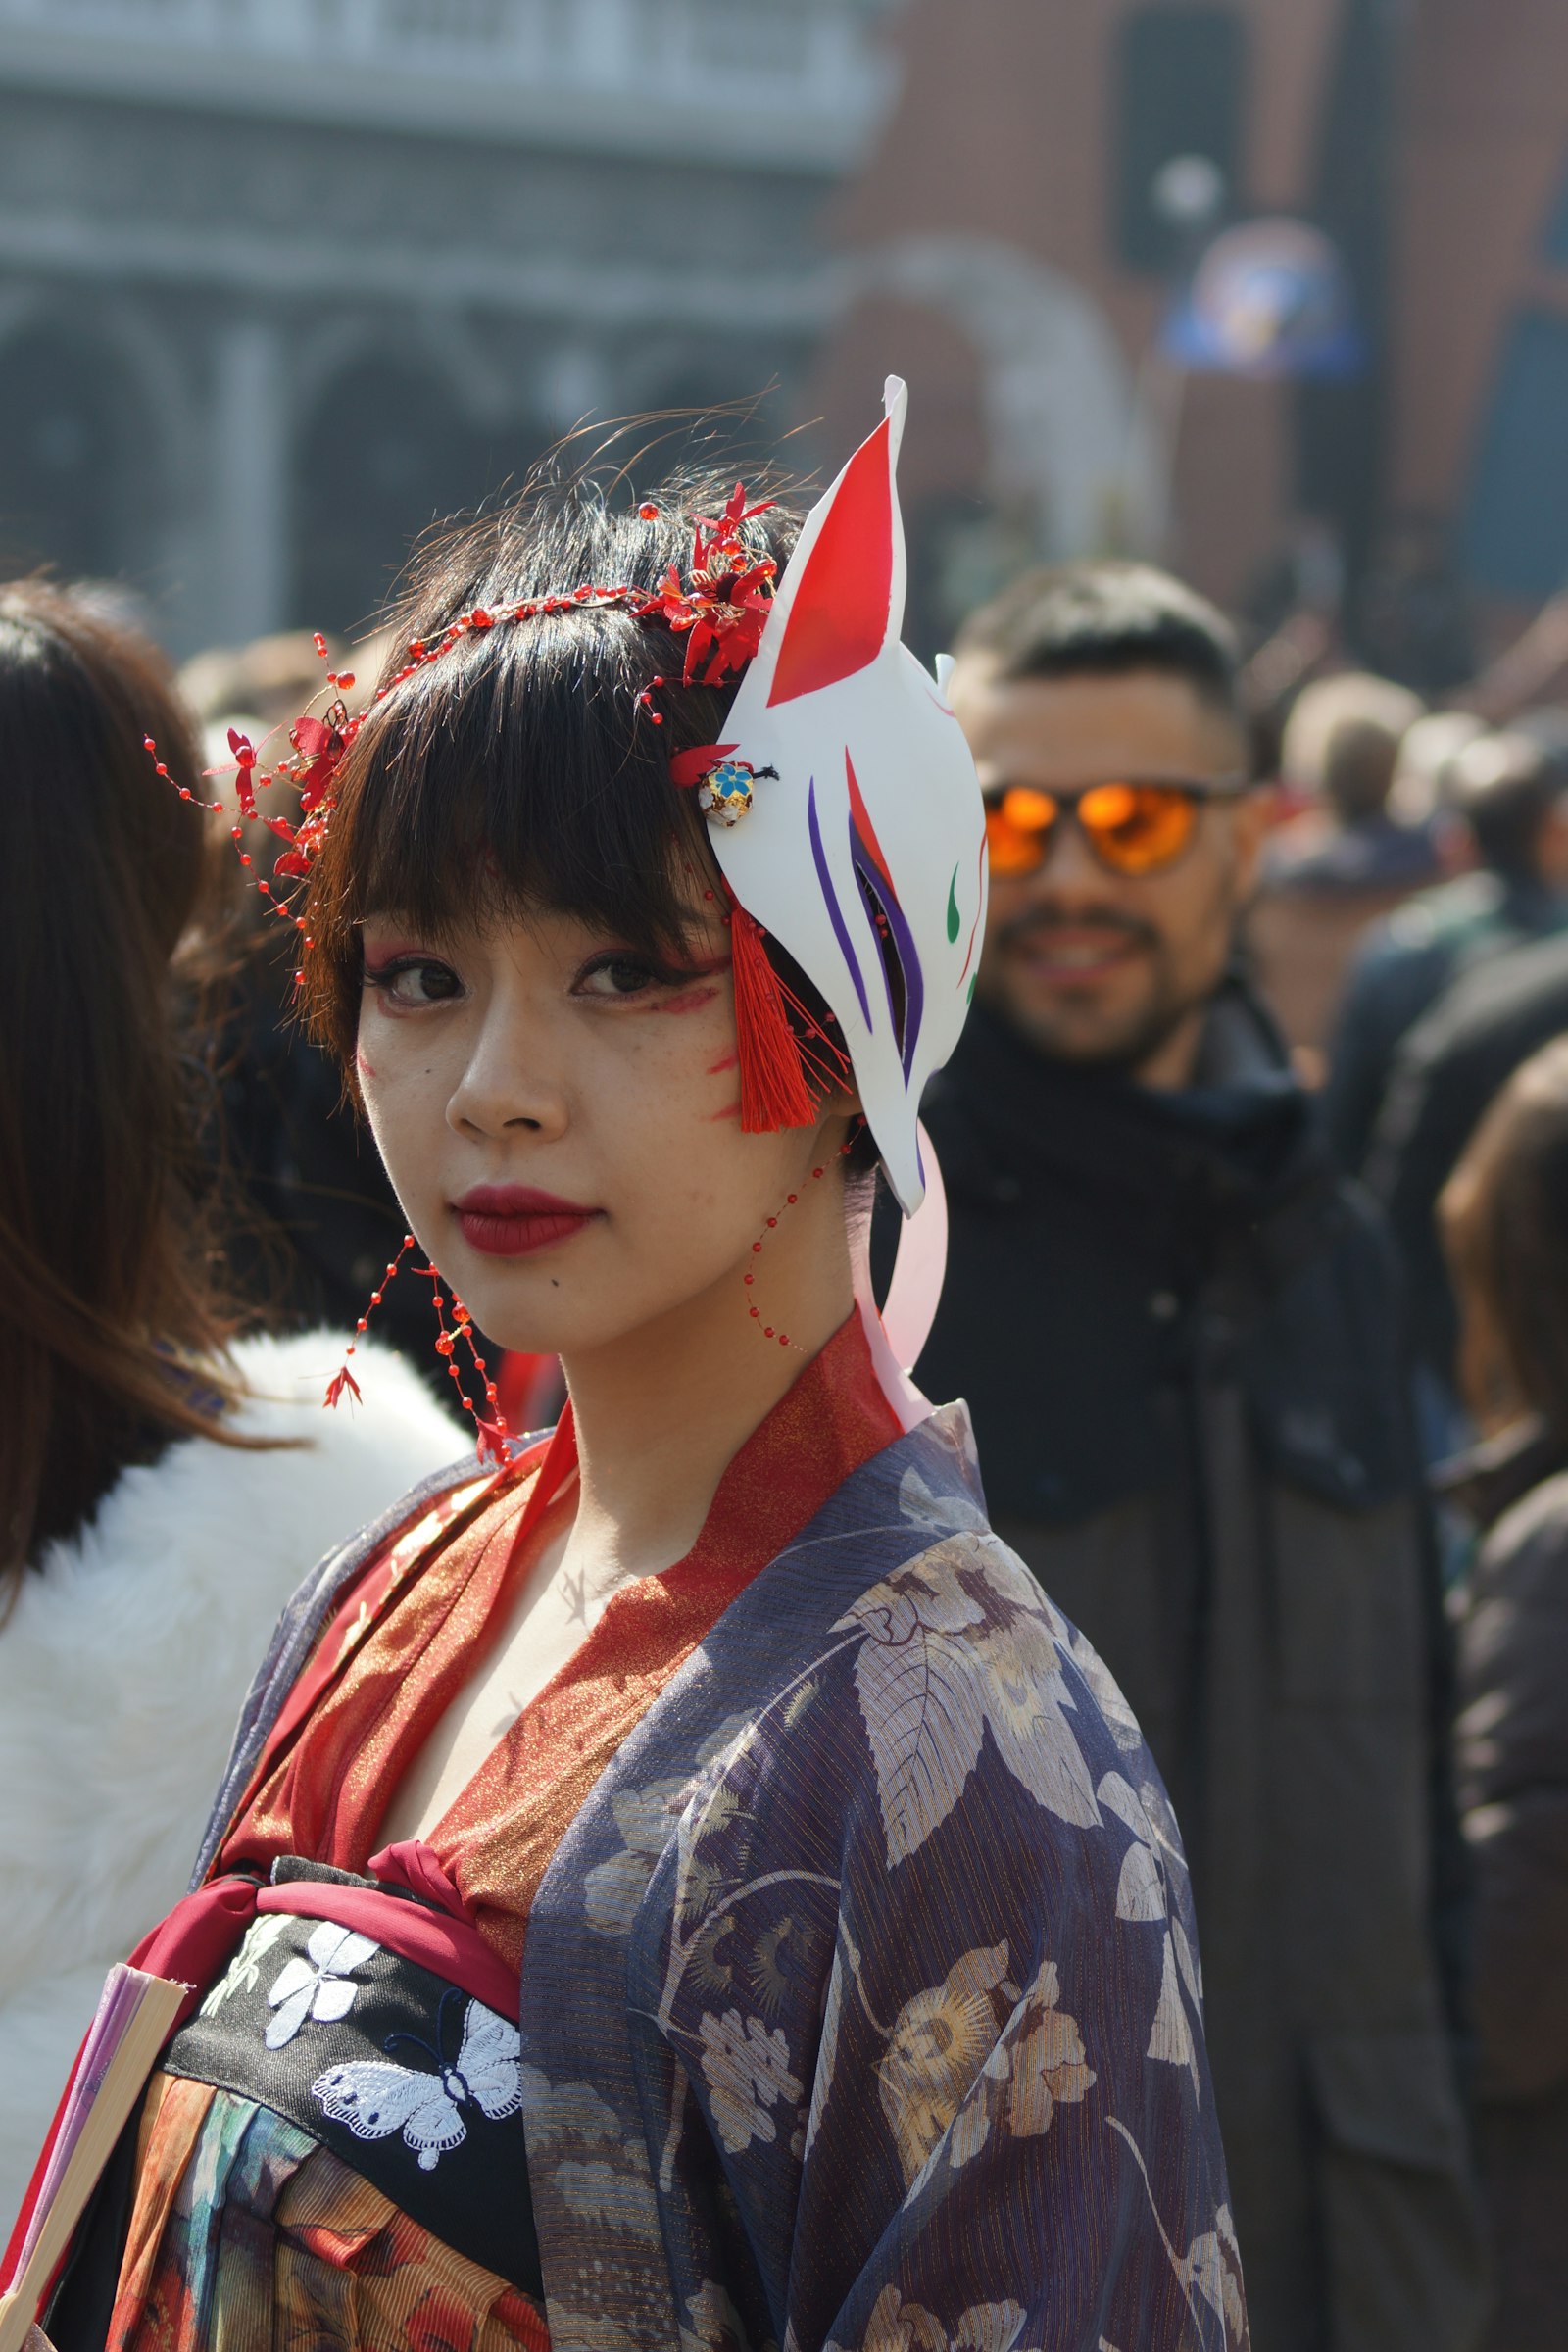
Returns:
point(723, 611)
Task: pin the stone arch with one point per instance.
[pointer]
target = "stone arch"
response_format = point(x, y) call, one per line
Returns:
point(388, 444)
point(1067, 434)
point(90, 411)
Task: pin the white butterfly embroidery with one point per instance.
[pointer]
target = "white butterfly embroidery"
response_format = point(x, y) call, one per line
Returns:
point(318, 1986)
point(377, 2099)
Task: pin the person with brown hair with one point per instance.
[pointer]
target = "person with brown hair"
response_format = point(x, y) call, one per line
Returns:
point(1504, 1216)
point(150, 1527)
point(1346, 862)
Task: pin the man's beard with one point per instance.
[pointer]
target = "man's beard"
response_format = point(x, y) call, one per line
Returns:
point(1150, 1026)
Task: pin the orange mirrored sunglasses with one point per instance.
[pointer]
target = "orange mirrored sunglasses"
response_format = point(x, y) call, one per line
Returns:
point(1131, 828)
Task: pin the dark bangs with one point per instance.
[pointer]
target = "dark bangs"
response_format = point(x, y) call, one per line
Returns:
point(520, 769)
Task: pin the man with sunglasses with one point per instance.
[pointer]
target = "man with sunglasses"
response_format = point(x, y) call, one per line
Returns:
point(1178, 1332)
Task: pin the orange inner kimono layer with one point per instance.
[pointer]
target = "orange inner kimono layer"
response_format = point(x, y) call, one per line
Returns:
point(426, 1609)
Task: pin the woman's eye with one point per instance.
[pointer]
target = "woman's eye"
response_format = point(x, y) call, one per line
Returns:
point(621, 975)
point(417, 980)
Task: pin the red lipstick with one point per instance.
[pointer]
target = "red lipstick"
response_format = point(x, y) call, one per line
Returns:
point(514, 1220)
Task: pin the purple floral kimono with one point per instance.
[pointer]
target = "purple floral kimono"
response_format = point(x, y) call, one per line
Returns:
point(860, 2003)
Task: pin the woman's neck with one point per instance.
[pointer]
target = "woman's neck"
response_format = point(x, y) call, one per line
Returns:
point(662, 1412)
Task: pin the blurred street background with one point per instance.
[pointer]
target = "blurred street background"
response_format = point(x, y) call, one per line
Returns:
point(1273, 290)
point(279, 280)
point(1236, 477)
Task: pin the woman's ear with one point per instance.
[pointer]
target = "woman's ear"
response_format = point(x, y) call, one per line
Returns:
point(843, 1118)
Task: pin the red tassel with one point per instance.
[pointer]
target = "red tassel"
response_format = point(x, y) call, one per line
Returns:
point(341, 1381)
point(774, 1089)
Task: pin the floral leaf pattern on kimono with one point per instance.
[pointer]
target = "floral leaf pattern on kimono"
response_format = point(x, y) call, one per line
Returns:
point(748, 2073)
point(900, 2325)
point(578, 2151)
point(957, 1644)
point(645, 1818)
point(1038, 2065)
point(1144, 1894)
point(939, 2042)
point(713, 2323)
point(1209, 2272)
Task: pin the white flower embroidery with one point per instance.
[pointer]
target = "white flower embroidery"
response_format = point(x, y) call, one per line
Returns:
point(1210, 2270)
point(245, 1968)
point(318, 1988)
point(748, 2071)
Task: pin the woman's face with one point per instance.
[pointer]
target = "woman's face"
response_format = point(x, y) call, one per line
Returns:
point(561, 1124)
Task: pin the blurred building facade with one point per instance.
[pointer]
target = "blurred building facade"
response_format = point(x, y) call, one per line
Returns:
point(1017, 242)
point(281, 280)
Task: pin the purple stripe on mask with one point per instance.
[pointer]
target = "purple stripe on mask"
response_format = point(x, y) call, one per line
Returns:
point(835, 911)
point(902, 938)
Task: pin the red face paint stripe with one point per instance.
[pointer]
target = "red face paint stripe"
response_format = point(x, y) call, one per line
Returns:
point(692, 1000)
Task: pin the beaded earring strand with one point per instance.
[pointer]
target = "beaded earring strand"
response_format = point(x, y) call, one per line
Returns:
point(493, 1432)
point(767, 1330)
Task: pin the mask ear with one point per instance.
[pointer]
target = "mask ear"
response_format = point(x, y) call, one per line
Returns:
point(840, 611)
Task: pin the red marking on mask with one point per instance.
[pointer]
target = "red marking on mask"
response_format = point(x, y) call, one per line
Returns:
point(726, 1061)
point(839, 615)
point(731, 1111)
point(862, 816)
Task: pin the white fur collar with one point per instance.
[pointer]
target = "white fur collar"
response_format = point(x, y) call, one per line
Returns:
point(122, 1672)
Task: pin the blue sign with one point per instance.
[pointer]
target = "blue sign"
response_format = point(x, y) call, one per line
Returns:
point(1270, 299)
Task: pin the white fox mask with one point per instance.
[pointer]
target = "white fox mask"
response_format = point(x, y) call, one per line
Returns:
point(864, 854)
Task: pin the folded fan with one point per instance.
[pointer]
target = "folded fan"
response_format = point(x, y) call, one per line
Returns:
point(134, 2017)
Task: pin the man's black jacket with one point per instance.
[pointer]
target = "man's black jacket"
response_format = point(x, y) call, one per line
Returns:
point(1179, 1336)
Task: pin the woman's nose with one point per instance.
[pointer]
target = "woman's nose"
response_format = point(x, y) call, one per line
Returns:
point(505, 1083)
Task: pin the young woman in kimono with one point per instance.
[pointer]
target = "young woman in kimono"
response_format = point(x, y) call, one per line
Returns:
point(678, 1886)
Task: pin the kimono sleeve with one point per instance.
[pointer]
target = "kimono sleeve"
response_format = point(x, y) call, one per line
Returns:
point(1007, 2136)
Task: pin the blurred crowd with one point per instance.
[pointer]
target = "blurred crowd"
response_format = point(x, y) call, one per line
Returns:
point(1256, 1159)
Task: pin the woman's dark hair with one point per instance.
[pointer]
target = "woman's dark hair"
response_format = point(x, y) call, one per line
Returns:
point(108, 1330)
point(525, 764)
point(1504, 1216)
